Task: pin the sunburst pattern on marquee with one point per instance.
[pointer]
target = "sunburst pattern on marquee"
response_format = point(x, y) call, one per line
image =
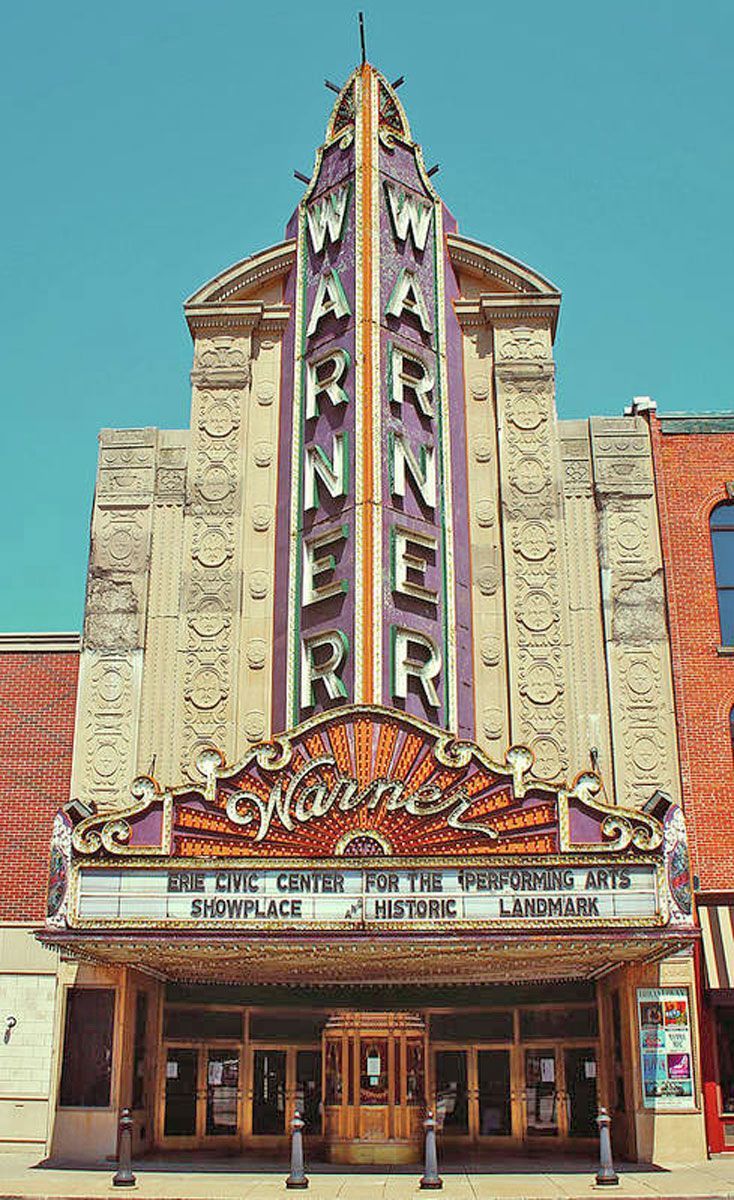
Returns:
point(479, 812)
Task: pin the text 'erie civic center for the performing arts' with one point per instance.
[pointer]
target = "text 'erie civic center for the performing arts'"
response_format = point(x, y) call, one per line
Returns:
point(377, 638)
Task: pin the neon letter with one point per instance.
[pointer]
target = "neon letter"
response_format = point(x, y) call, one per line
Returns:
point(327, 215)
point(409, 213)
point(337, 645)
point(409, 374)
point(405, 664)
point(407, 295)
point(314, 566)
point(333, 474)
point(323, 378)
point(405, 560)
point(330, 298)
point(423, 473)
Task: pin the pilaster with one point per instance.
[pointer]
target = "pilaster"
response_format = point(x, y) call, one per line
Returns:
point(532, 511)
point(589, 701)
point(157, 722)
point(255, 632)
point(487, 570)
point(635, 627)
point(110, 669)
point(211, 568)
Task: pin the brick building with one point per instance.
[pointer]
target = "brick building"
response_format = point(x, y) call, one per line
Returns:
point(694, 469)
point(38, 687)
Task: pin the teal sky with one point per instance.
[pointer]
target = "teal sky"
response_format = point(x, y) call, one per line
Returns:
point(149, 145)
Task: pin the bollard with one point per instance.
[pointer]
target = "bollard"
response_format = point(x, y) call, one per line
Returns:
point(297, 1177)
point(431, 1178)
point(123, 1176)
point(606, 1174)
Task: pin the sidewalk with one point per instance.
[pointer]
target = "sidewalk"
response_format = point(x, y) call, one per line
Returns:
point(246, 1179)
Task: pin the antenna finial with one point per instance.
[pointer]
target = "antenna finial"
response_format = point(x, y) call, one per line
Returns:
point(361, 37)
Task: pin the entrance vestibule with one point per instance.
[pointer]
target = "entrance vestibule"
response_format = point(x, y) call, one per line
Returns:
point(232, 1078)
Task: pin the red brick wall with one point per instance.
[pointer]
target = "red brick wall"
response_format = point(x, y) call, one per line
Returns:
point(37, 703)
point(691, 470)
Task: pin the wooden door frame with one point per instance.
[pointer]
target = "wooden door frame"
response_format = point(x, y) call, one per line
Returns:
point(200, 1140)
point(559, 1046)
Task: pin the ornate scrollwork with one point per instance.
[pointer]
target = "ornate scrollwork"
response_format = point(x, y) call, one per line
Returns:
point(450, 752)
point(302, 782)
point(622, 826)
point(519, 761)
point(112, 832)
point(274, 755)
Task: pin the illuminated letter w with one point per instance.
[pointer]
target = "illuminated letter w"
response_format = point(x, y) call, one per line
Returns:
point(327, 214)
point(409, 213)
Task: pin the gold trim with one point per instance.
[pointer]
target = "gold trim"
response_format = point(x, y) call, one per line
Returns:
point(533, 926)
point(632, 827)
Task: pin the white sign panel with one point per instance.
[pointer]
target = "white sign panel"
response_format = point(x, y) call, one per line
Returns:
point(251, 896)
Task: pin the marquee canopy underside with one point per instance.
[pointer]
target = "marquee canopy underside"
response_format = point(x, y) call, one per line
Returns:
point(405, 958)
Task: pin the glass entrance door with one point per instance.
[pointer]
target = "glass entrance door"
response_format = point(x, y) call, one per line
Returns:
point(452, 1093)
point(541, 1093)
point(201, 1103)
point(222, 1090)
point(494, 1084)
point(181, 1086)
point(581, 1082)
point(308, 1088)
point(268, 1092)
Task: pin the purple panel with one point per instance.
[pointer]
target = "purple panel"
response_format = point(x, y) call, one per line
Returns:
point(147, 828)
point(583, 826)
point(399, 165)
point(337, 165)
point(280, 716)
point(462, 540)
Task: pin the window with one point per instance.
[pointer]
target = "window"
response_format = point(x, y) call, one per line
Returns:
point(722, 543)
point(86, 1072)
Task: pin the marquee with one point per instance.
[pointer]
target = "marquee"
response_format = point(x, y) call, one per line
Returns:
point(366, 818)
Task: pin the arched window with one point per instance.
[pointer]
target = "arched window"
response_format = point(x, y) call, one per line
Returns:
point(722, 542)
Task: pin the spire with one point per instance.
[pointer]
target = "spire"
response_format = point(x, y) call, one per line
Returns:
point(392, 118)
point(372, 604)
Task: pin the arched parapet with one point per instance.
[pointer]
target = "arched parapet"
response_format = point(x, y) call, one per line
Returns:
point(504, 288)
point(235, 290)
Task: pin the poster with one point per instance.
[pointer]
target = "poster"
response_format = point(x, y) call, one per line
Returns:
point(664, 1017)
point(548, 1070)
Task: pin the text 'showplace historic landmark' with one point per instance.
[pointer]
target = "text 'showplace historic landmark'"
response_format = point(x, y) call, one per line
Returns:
point(375, 804)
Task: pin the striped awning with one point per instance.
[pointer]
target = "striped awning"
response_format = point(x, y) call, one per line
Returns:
point(717, 931)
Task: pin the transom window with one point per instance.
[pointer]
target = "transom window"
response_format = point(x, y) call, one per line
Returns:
point(722, 542)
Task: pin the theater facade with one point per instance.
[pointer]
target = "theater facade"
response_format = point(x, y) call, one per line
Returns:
point(376, 790)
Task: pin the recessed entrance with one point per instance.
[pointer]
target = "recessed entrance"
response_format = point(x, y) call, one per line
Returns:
point(375, 1086)
point(509, 1077)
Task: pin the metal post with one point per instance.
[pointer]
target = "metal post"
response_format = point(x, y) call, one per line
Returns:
point(606, 1174)
point(431, 1178)
point(123, 1176)
point(297, 1177)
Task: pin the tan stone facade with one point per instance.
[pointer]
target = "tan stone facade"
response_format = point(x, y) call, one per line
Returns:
point(570, 643)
